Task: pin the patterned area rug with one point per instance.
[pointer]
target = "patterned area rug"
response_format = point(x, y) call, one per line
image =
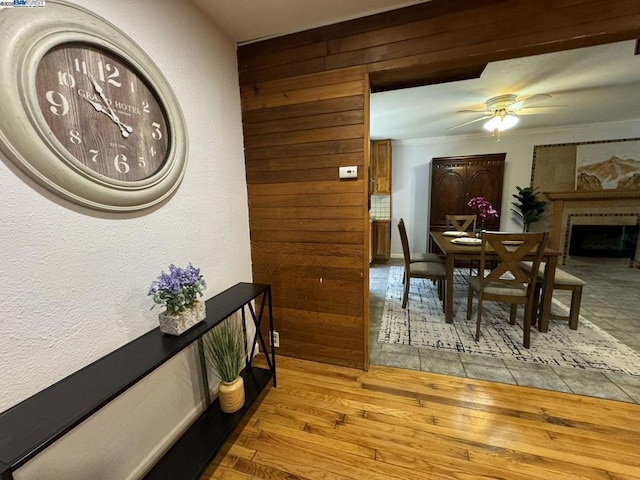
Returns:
point(422, 324)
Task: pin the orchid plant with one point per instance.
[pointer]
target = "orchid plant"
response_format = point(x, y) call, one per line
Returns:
point(484, 207)
point(179, 289)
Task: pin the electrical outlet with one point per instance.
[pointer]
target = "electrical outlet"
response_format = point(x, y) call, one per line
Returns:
point(276, 339)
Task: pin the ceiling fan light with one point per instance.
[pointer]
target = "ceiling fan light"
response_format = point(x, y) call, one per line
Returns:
point(500, 123)
point(509, 121)
point(492, 124)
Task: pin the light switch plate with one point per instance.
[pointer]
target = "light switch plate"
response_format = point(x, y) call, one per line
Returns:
point(349, 172)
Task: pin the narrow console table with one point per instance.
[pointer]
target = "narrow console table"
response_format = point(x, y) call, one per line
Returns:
point(31, 426)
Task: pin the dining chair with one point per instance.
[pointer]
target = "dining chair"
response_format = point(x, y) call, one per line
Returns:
point(508, 282)
point(435, 271)
point(462, 222)
point(418, 256)
point(562, 281)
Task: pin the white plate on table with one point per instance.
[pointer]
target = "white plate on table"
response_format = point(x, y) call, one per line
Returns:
point(467, 241)
point(454, 233)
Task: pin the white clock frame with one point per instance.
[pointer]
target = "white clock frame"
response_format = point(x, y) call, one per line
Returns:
point(26, 35)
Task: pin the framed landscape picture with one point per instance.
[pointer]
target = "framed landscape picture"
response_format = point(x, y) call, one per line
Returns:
point(608, 166)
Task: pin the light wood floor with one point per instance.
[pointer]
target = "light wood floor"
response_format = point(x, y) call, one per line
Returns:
point(326, 422)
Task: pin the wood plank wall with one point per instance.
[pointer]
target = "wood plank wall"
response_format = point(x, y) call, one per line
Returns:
point(307, 226)
point(305, 113)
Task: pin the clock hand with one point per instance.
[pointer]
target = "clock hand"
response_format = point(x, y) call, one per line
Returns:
point(113, 115)
point(100, 108)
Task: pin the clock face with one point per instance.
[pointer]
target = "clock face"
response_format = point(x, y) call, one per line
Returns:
point(102, 111)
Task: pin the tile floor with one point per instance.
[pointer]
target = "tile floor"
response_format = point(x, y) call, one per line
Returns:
point(610, 300)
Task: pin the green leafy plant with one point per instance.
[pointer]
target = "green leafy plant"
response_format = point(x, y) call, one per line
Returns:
point(529, 208)
point(225, 348)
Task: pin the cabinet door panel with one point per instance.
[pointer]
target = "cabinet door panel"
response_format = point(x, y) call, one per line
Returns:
point(486, 181)
point(447, 194)
point(381, 166)
point(381, 239)
point(456, 180)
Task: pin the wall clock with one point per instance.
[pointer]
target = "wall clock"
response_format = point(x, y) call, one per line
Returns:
point(85, 112)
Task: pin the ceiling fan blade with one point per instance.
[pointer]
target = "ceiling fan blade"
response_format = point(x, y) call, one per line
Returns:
point(525, 102)
point(481, 110)
point(539, 110)
point(470, 121)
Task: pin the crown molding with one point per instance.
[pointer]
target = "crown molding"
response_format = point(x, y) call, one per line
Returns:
point(593, 195)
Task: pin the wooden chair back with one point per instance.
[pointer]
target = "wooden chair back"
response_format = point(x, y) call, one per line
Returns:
point(462, 222)
point(511, 249)
point(431, 270)
point(508, 282)
point(405, 244)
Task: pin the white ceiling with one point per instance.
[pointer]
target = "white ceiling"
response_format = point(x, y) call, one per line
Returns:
point(597, 84)
point(251, 20)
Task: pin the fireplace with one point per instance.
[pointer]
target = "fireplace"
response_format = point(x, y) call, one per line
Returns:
point(605, 241)
point(597, 208)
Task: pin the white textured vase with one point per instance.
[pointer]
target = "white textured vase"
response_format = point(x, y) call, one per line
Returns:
point(180, 322)
point(231, 395)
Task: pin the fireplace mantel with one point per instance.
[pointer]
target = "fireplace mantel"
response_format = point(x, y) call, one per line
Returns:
point(593, 195)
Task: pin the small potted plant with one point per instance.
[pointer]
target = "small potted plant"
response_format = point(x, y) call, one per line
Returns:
point(178, 291)
point(484, 208)
point(224, 345)
point(529, 208)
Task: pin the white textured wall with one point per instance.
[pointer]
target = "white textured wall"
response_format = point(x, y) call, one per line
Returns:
point(74, 282)
point(411, 174)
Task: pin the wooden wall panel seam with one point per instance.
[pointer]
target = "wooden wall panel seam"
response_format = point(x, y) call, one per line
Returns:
point(268, 116)
point(315, 161)
point(312, 80)
point(306, 149)
point(326, 238)
point(315, 225)
point(283, 201)
point(302, 95)
point(302, 248)
point(306, 187)
point(305, 122)
point(301, 317)
point(302, 213)
point(325, 175)
point(322, 349)
point(320, 340)
point(328, 285)
point(294, 137)
point(308, 272)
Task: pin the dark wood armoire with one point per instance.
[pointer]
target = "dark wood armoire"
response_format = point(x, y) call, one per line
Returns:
point(456, 180)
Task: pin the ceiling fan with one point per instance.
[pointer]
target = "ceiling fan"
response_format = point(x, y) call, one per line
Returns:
point(502, 112)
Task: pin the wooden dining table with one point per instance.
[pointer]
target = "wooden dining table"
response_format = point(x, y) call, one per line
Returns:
point(454, 252)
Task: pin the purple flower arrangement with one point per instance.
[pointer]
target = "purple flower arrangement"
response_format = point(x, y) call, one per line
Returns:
point(484, 207)
point(179, 289)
